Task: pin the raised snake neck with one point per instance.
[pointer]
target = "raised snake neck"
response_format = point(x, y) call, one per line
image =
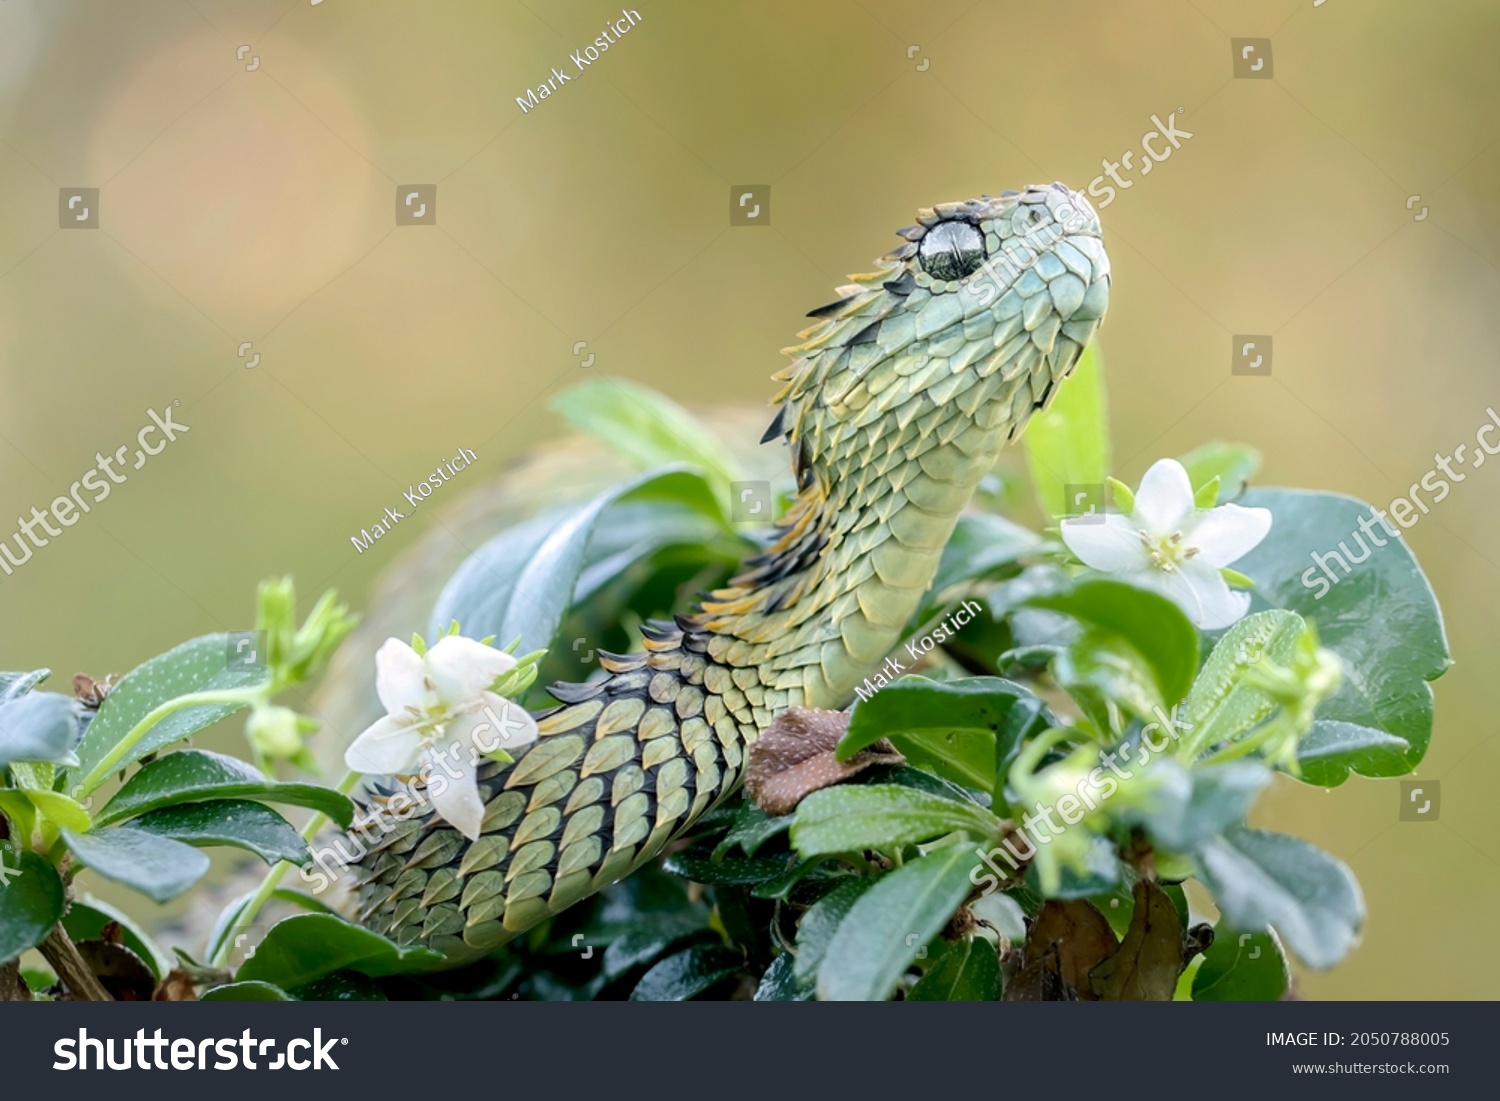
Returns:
point(896, 403)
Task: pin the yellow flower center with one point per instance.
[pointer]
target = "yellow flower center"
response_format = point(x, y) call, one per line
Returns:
point(1167, 552)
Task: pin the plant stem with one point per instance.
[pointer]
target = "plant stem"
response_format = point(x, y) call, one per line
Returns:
point(277, 872)
point(62, 954)
point(100, 772)
point(13, 988)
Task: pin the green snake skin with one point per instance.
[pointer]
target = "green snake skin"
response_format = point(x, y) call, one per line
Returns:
point(897, 402)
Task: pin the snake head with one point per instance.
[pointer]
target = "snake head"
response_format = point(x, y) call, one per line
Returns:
point(986, 306)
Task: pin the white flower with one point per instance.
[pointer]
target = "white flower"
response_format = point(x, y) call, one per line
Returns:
point(442, 716)
point(1168, 544)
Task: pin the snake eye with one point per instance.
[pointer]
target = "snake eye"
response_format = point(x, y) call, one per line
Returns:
point(951, 250)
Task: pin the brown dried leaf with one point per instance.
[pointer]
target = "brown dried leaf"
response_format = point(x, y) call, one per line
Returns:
point(119, 970)
point(795, 757)
point(1039, 981)
point(1146, 967)
point(1076, 937)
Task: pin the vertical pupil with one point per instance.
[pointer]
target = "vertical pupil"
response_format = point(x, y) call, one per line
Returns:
point(951, 250)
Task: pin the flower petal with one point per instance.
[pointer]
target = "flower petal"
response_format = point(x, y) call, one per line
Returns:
point(512, 722)
point(398, 676)
point(1112, 546)
point(1164, 499)
point(461, 668)
point(1229, 532)
point(389, 746)
point(457, 800)
point(1218, 604)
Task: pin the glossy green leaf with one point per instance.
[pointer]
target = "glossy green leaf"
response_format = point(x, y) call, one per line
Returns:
point(15, 685)
point(1104, 664)
point(520, 584)
point(729, 871)
point(237, 823)
point(947, 726)
point(647, 428)
point(1242, 967)
point(59, 809)
point(889, 925)
point(87, 918)
point(305, 947)
point(647, 941)
point(1222, 705)
point(821, 921)
point(196, 776)
point(847, 818)
point(1381, 618)
point(1310, 898)
point(1102, 874)
point(1332, 749)
point(228, 921)
point(688, 973)
point(340, 986)
point(1187, 807)
point(968, 971)
point(31, 902)
point(246, 992)
point(1234, 464)
point(41, 726)
point(779, 983)
point(158, 867)
point(200, 665)
point(1152, 625)
point(1068, 444)
point(752, 828)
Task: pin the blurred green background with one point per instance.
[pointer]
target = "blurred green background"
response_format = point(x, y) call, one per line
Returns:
point(258, 204)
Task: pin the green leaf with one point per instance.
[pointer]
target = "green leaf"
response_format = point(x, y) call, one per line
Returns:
point(196, 776)
point(15, 685)
point(1222, 705)
point(246, 992)
point(688, 974)
point(1189, 806)
point(845, 819)
point(228, 921)
point(341, 986)
point(891, 923)
point(200, 665)
point(752, 828)
point(1068, 444)
point(1234, 464)
point(779, 983)
point(816, 929)
point(1260, 879)
point(1331, 749)
point(86, 920)
point(31, 902)
point(647, 428)
point(968, 971)
point(646, 941)
point(1244, 967)
point(1381, 618)
point(730, 871)
point(60, 810)
point(1109, 665)
point(305, 947)
point(1150, 623)
point(158, 867)
point(947, 726)
point(42, 726)
point(234, 822)
point(520, 584)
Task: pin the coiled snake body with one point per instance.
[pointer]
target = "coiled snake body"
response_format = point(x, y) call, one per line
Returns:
point(897, 402)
